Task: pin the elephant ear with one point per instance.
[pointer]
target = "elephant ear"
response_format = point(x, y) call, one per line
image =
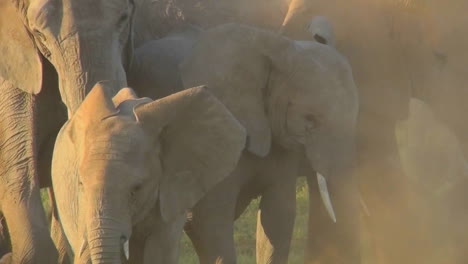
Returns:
point(237, 73)
point(21, 63)
point(200, 143)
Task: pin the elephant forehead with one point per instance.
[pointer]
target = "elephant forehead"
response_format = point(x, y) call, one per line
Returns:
point(117, 137)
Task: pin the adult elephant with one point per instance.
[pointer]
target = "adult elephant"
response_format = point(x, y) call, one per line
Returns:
point(125, 170)
point(51, 50)
point(397, 49)
point(296, 99)
point(432, 158)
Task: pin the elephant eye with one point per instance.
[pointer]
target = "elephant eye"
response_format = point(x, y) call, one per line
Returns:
point(311, 122)
point(40, 43)
point(320, 39)
point(135, 190)
point(123, 19)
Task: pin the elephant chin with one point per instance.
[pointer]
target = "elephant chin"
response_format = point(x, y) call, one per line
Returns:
point(325, 195)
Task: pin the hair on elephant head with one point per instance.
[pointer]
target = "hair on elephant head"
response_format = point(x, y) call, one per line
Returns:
point(135, 155)
point(298, 94)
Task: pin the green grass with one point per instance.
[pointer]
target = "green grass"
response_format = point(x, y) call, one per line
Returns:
point(245, 228)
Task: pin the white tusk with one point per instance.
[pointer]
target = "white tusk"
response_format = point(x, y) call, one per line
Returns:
point(125, 249)
point(322, 184)
point(82, 248)
point(364, 205)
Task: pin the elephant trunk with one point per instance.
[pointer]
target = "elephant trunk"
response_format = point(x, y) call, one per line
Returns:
point(78, 72)
point(105, 249)
point(108, 226)
point(338, 240)
point(106, 242)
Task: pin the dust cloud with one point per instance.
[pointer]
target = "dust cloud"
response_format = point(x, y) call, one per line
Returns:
point(409, 62)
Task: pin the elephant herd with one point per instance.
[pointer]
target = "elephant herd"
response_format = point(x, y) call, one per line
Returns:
point(232, 101)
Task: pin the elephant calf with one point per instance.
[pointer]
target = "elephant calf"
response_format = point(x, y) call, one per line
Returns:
point(297, 100)
point(125, 170)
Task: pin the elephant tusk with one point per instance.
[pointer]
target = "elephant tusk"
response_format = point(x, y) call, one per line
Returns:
point(82, 248)
point(322, 184)
point(364, 205)
point(125, 249)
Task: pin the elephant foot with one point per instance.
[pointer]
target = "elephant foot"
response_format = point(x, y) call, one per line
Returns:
point(7, 259)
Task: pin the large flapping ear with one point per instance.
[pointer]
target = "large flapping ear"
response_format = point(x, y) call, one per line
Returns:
point(230, 60)
point(97, 105)
point(201, 142)
point(20, 61)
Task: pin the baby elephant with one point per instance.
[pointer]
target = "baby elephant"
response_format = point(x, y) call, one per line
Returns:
point(126, 169)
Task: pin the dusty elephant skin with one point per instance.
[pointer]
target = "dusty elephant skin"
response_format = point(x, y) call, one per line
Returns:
point(126, 170)
point(158, 18)
point(297, 101)
point(397, 49)
point(52, 51)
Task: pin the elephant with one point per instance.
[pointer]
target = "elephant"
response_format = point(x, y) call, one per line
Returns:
point(433, 160)
point(53, 52)
point(125, 170)
point(398, 50)
point(296, 99)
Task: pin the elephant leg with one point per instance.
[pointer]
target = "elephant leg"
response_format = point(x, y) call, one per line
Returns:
point(19, 188)
point(210, 226)
point(57, 233)
point(392, 223)
point(275, 222)
point(170, 233)
point(4, 237)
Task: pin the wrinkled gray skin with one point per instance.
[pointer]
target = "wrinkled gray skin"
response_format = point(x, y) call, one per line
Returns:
point(52, 53)
point(296, 100)
point(124, 170)
point(161, 58)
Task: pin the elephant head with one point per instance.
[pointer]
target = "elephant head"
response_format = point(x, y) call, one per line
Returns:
point(86, 41)
point(135, 155)
point(298, 95)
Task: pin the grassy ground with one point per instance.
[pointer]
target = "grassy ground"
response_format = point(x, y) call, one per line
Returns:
point(245, 229)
